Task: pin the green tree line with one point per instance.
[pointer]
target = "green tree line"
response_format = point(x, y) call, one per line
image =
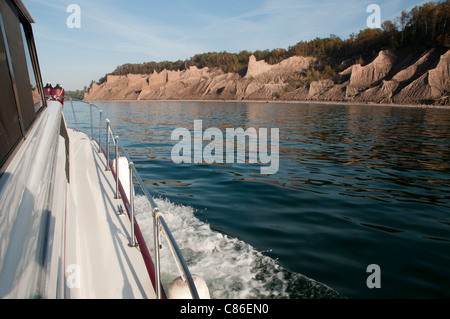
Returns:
point(77, 94)
point(424, 26)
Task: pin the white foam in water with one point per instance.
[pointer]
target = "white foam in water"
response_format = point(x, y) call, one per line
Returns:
point(231, 268)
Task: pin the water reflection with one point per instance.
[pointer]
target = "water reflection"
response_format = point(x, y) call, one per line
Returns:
point(374, 142)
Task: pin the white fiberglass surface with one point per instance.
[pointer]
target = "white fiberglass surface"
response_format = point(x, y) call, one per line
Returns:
point(107, 266)
point(24, 195)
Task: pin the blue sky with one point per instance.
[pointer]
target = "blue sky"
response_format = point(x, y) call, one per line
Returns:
point(115, 32)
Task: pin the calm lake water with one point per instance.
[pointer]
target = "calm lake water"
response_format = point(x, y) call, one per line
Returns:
point(356, 186)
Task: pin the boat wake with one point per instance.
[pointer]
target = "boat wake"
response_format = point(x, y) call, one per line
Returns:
point(232, 268)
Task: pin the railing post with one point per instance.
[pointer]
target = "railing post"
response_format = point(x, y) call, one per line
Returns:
point(133, 242)
point(117, 166)
point(107, 145)
point(92, 123)
point(74, 116)
point(100, 132)
point(157, 258)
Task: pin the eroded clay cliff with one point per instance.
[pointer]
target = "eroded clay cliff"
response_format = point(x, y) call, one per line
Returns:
point(392, 77)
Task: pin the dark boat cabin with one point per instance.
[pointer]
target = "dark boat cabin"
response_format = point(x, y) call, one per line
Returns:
point(21, 90)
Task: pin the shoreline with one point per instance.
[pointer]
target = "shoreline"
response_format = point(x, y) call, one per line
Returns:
point(343, 103)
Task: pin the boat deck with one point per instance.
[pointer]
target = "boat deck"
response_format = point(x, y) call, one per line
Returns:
point(102, 264)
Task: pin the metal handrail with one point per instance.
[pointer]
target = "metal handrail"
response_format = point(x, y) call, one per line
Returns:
point(159, 223)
